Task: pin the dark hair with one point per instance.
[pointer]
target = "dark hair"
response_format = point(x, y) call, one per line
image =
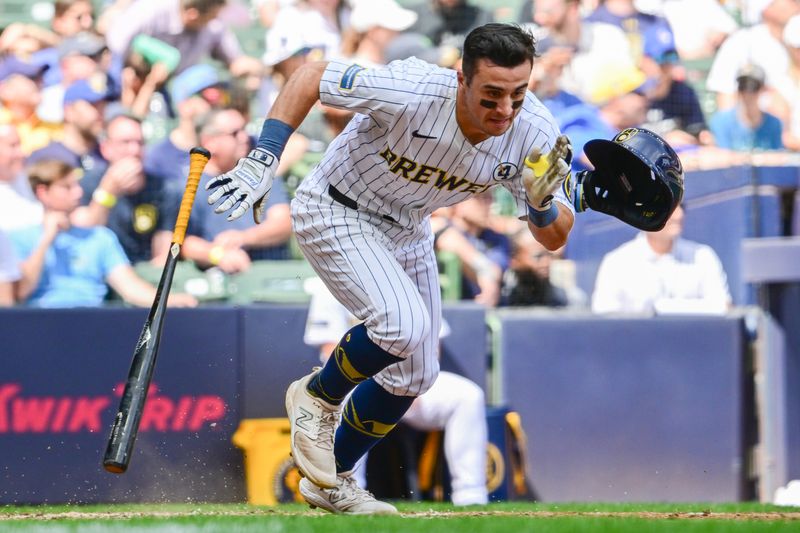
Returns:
point(202, 6)
point(48, 171)
point(62, 6)
point(747, 84)
point(506, 45)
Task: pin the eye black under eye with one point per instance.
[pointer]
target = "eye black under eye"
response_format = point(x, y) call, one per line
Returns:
point(516, 104)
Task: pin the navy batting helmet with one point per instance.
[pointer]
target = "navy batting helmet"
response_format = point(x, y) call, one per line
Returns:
point(638, 178)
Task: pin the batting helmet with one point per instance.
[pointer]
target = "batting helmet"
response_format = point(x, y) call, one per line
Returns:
point(638, 178)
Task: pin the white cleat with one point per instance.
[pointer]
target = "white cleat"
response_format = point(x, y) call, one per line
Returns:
point(313, 423)
point(346, 498)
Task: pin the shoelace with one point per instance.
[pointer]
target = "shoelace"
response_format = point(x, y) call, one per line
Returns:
point(351, 490)
point(327, 427)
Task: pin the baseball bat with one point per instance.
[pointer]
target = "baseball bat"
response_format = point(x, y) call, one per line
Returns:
point(131, 405)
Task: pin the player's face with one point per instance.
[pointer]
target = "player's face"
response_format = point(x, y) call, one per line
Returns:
point(491, 100)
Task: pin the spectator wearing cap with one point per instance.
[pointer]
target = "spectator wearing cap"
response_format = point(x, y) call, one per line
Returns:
point(373, 25)
point(760, 44)
point(318, 24)
point(143, 211)
point(584, 51)
point(84, 102)
point(447, 22)
point(191, 26)
point(81, 56)
point(746, 126)
point(287, 50)
point(19, 98)
point(675, 110)
point(191, 97)
point(618, 101)
point(635, 23)
point(232, 246)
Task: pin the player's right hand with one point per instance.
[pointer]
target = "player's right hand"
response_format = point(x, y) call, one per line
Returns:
point(543, 174)
point(246, 185)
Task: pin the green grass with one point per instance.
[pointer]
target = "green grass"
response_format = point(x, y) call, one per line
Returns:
point(415, 517)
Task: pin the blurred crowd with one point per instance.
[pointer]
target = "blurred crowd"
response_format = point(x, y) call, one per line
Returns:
point(100, 102)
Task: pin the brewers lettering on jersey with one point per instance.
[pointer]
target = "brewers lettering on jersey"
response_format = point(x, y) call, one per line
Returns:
point(423, 137)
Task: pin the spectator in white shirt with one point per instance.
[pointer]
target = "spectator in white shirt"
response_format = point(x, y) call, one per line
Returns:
point(662, 273)
point(761, 44)
point(9, 271)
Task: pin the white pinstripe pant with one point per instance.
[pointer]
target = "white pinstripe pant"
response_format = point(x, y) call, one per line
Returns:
point(383, 274)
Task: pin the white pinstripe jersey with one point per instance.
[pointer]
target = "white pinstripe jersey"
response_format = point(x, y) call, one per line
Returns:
point(404, 155)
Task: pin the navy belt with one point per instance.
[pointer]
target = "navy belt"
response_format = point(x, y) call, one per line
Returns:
point(339, 197)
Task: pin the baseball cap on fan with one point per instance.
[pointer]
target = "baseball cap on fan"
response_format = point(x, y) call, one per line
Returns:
point(616, 81)
point(791, 32)
point(387, 14)
point(659, 44)
point(82, 44)
point(284, 42)
point(92, 90)
point(406, 45)
point(192, 81)
point(750, 77)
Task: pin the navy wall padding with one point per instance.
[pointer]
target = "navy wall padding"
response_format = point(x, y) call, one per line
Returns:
point(628, 409)
point(57, 360)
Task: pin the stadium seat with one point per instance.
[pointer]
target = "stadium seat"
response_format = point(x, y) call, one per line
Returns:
point(24, 11)
point(271, 281)
point(207, 286)
point(449, 275)
point(696, 74)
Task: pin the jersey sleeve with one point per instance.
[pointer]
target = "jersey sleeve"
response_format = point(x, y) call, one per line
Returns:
point(380, 92)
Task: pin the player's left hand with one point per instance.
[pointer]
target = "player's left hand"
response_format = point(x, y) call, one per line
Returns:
point(542, 175)
point(247, 185)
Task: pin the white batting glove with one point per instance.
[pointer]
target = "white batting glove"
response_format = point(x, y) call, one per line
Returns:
point(246, 185)
point(543, 175)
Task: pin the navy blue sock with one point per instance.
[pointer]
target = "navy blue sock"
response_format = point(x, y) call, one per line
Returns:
point(370, 413)
point(354, 359)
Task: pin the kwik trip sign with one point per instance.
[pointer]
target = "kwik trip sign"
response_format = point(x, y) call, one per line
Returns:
point(27, 413)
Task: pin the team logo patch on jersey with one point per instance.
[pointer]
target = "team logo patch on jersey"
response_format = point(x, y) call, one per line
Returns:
point(505, 171)
point(349, 77)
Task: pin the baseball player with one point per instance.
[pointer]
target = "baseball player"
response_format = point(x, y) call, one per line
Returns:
point(423, 137)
